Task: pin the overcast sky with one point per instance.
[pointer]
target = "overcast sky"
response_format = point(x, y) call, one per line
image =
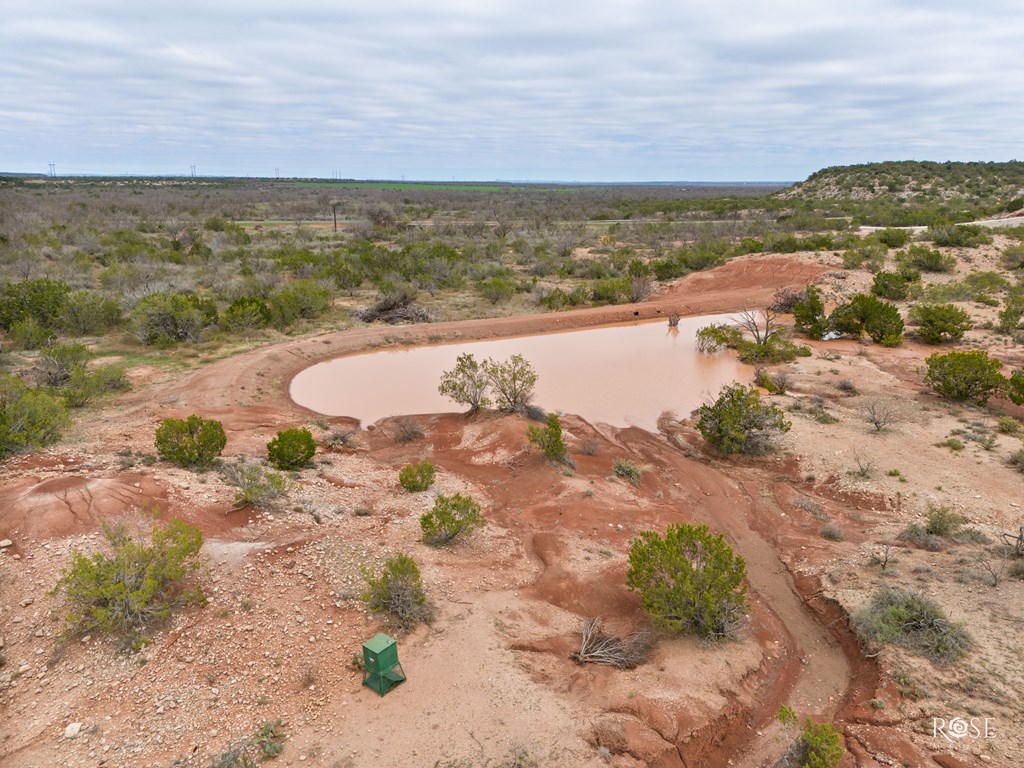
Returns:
point(516, 89)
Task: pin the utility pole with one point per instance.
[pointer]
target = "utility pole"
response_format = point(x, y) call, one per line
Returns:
point(277, 173)
point(192, 168)
point(53, 170)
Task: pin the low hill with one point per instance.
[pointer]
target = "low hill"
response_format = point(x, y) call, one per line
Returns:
point(990, 184)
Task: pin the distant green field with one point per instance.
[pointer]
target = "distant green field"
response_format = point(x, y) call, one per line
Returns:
point(413, 185)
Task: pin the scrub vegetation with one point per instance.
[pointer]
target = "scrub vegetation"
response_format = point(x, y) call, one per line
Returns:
point(109, 281)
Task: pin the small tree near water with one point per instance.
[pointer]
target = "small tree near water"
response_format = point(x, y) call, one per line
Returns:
point(466, 383)
point(513, 381)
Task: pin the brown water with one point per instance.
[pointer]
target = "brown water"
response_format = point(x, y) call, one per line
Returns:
point(621, 375)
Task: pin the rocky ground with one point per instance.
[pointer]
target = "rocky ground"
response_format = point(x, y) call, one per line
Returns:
point(490, 682)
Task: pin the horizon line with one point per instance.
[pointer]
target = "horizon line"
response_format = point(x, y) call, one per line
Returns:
point(562, 182)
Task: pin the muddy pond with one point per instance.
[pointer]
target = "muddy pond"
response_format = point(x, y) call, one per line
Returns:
point(623, 375)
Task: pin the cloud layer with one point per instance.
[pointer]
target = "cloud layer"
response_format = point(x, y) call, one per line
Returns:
point(607, 90)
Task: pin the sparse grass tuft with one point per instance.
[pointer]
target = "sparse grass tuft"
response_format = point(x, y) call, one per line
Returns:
point(847, 387)
point(343, 438)
point(832, 532)
point(627, 470)
point(913, 621)
point(407, 430)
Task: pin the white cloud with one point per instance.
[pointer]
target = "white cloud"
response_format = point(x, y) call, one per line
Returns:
point(626, 89)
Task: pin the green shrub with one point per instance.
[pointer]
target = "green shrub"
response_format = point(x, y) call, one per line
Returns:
point(928, 259)
point(29, 334)
point(451, 517)
point(821, 745)
point(611, 290)
point(193, 442)
point(913, 621)
point(28, 418)
point(265, 743)
point(246, 314)
point(890, 285)
point(1010, 316)
point(865, 313)
point(787, 717)
point(714, 337)
point(739, 422)
point(864, 251)
point(1013, 257)
point(892, 237)
point(775, 384)
point(971, 376)
point(291, 448)
point(466, 383)
point(269, 739)
point(85, 313)
point(416, 477)
point(549, 439)
point(1015, 387)
point(1007, 424)
point(302, 299)
point(135, 587)
point(688, 581)
point(915, 535)
point(943, 521)
point(163, 319)
point(777, 349)
point(256, 487)
point(958, 235)
point(809, 314)
point(40, 299)
point(497, 289)
point(398, 592)
point(977, 286)
point(940, 323)
point(1016, 460)
point(85, 385)
point(559, 299)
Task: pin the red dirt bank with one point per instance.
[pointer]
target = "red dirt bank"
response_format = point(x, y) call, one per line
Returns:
point(510, 600)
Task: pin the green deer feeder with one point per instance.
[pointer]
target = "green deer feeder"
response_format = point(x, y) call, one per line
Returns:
point(381, 669)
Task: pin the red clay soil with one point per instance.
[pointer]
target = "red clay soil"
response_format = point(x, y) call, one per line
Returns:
point(799, 645)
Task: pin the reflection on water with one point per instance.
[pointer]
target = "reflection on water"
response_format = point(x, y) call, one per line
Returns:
point(620, 375)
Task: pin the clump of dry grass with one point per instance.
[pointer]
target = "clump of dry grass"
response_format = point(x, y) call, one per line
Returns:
point(623, 652)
